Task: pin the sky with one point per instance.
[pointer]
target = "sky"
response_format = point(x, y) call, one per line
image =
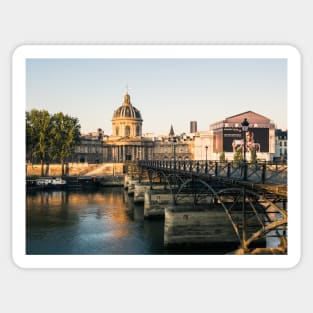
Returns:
point(166, 91)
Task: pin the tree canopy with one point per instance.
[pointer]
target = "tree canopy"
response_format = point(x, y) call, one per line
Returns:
point(51, 136)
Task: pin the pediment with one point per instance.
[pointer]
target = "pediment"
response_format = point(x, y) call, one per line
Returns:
point(252, 117)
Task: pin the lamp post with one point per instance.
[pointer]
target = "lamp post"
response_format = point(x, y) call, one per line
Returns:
point(245, 126)
point(174, 149)
point(206, 159)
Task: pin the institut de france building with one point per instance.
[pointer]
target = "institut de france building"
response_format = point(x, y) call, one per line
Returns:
point(127, 142)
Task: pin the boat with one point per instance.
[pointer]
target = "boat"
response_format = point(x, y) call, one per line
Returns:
point(51, 183)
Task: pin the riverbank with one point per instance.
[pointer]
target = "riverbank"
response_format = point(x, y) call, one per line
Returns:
point(76, 169)
point(74, 182)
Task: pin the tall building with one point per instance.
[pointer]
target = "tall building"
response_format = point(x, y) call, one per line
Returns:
point(193, 126)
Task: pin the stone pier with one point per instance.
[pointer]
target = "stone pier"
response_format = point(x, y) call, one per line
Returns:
point(129, 184)
point(156, 200)
point(201, 226)
point(141, 188)
point(205, 225)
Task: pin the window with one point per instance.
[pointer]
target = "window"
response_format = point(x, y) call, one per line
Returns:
point(116, 131)
point(127, 131)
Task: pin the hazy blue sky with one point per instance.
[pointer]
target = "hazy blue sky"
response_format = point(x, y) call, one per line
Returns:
point(166, 91)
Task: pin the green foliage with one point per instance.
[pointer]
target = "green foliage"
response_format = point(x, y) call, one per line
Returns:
point(38, 128)
point(222, 157)
point(65, 134)
point(253, 156)
point(51, 136)
point(238, 156)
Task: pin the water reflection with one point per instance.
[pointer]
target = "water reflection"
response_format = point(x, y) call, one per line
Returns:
point(91, 222)
point(105, 221)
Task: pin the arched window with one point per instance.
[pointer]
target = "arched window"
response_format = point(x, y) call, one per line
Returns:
point(127, 131)
point(137, 130)
point(116, 131)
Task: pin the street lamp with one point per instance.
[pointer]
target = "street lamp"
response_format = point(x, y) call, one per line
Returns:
point(206, 159)
point(174, 148)
point(245, 126)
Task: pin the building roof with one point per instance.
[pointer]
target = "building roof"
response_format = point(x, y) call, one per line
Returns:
point(252, 117)
point(127, 110)
point(171, 134)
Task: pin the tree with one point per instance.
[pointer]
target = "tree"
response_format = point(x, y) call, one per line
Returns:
point(38, 128)
point(65, 134)
point(238, 155)
point(222, 157)
point(253, 156)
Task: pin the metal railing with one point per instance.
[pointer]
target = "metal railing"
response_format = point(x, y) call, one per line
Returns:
point(257, 172)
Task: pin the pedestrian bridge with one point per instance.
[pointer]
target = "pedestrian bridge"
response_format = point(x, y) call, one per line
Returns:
point(264, 176)
point(250, 197)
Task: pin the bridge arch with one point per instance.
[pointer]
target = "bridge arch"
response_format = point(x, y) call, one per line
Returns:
point(264, 213)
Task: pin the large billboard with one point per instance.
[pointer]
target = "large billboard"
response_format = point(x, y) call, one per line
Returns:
point(256, 138)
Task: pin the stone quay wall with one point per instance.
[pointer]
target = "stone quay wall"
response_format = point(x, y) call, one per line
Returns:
point(76, 169)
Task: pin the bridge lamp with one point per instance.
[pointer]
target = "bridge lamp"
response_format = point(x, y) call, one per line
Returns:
point(245, 127)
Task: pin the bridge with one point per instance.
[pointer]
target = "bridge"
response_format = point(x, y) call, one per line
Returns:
point(251, 198)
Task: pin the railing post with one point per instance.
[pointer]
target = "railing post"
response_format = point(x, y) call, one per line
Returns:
point(216, 168)
point(197, 167)
point(228, 169)
point(263, 173)
point(245, 169)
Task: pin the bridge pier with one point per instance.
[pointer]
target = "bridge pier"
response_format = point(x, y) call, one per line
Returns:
point(155, 202)
point(157, 199)
point(131, 185)
point(185, 225)
point(141, 188)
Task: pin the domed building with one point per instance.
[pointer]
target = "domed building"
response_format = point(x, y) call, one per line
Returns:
point(126, 142)
point(127, 120)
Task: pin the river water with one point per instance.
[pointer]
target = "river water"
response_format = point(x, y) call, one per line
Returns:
point(103, 221)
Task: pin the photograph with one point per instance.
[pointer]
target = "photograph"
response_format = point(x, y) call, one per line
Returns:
point(160, 151)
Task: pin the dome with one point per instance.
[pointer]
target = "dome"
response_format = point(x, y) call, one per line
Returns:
point(126, 110)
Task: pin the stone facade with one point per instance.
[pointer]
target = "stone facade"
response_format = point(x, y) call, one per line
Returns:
point(168, 149)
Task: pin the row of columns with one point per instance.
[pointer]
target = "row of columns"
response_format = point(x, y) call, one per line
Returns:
point(131, 153)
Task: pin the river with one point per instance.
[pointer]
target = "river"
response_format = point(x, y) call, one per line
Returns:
point(103, 221)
